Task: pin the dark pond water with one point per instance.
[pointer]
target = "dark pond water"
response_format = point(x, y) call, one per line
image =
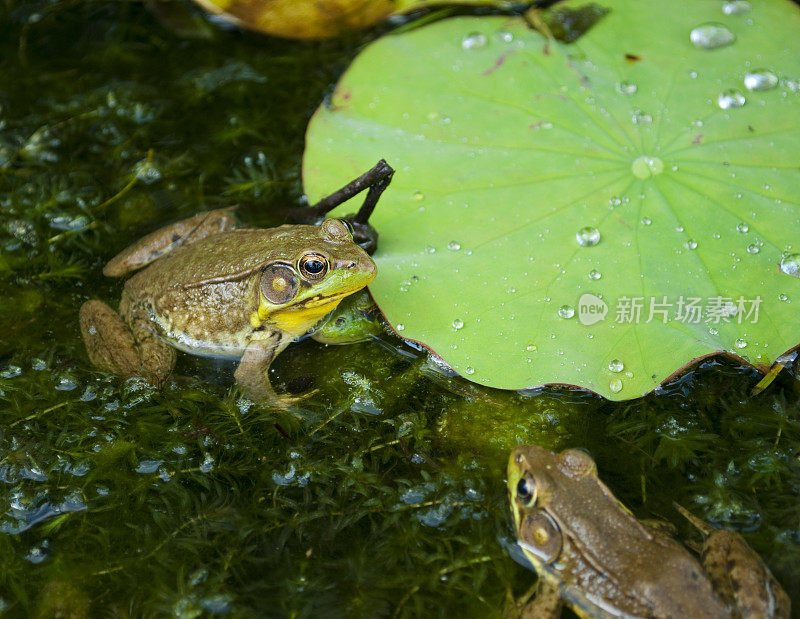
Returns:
point(384, 494)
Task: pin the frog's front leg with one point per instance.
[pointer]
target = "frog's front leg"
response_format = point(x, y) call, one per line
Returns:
point(165, 239)
point(124, 348)
point(252, 373)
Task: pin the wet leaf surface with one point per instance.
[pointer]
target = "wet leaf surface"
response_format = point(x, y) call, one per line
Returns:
point(597, 214)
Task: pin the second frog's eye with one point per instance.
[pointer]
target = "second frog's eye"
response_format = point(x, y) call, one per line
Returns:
point(526, 491)
point(313, 266)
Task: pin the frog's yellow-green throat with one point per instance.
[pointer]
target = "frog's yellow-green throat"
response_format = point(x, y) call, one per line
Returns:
point(298, 316)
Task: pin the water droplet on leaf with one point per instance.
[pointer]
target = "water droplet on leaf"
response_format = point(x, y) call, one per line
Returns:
point(790, 264)
point(731, 98)
point(646, 166)
point(711, 36)
point(615, 385)
point(588, 236)
point(595, 274)
point(737, 7)
point(474, 40)
point(458, 324)
point(615, 365)
point(760, 80)
point(566, 311)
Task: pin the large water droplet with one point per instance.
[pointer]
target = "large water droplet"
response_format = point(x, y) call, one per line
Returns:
point(753, 248)
point(458, 324)
point(647, 166)
point(588, 236)
point(646, 221)
point(400, 327)
point(531, 347)
point(640, 117)
point(790, 265)
point(736, 7)
point(730, 99)
point(474, 40)
point(626, 88)
point(469, 370)
point(691, 244)
point(760, 79)
point(430, 249)
point(615, 365)
point(740, 343)
point(454, 245)
point(783, 297)
point(566, 311)
point(595, 274)
point(615, 385)
point(711, 36)
point(743, 227)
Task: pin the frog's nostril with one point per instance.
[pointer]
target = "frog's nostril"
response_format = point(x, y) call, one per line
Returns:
point(350, 265)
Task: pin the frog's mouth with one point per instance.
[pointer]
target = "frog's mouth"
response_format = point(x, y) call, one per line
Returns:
point(320, 301)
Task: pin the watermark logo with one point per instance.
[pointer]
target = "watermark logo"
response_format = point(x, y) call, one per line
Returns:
point(689, 310)
point(591, 309)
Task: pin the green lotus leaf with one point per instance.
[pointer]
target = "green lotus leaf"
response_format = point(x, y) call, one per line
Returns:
point(596, 214)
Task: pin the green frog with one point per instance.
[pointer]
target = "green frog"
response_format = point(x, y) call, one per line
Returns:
point(356, 319)
point(592, 554)
point(208, 288)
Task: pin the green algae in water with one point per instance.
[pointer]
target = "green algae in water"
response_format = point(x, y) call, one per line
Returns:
point(385, 497)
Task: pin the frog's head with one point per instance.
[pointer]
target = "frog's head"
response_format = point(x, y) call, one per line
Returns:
point(317, 267)
point(535, 475)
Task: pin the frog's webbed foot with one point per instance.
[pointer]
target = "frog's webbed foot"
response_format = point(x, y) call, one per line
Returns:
point(165, 239)
point(252, 373)
point(113, 347)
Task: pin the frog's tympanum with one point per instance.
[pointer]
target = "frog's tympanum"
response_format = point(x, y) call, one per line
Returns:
point(210, 289)
point(592, 554)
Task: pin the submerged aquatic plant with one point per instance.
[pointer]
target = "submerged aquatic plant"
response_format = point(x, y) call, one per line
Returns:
point(384, 494)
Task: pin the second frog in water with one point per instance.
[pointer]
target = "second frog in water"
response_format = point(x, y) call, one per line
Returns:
point(591, 553)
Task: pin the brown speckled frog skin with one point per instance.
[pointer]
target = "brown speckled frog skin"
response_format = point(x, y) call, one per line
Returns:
point(592, 554)
point(211, 289)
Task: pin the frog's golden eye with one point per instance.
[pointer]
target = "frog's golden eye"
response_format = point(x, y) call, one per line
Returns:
point(313, 266)
point(526, 491)
point(279, 284)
